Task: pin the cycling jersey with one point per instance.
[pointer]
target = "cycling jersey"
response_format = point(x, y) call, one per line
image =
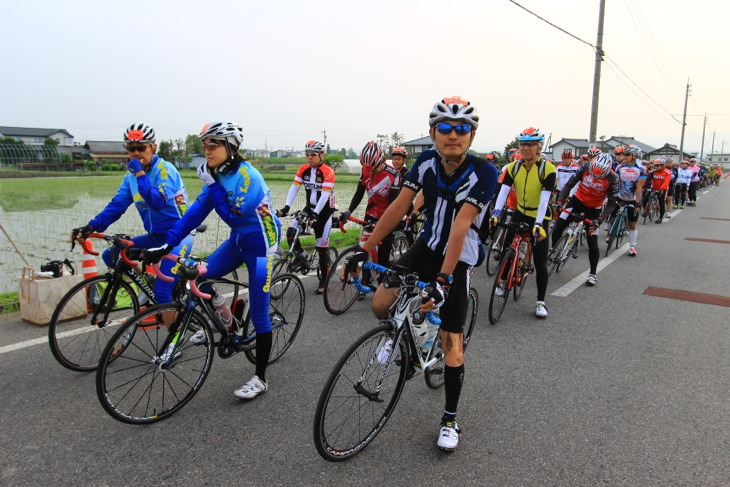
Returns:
point(565, 172)
point(512, 198)
point(660, 179)
point(159, 196)
point(381, 188)
point(592, 191)
point(628, 180)
point(319, 184)
point(528, 186)
point(242, 200)
point(684, 176)
point(472, 183)
point(695, 173)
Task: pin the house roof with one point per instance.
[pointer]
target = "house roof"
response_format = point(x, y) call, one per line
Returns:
point(106, 146)
point(668, 149)
point(577, 143)
point(422, 141)
point(30, 132)
point(617, 140)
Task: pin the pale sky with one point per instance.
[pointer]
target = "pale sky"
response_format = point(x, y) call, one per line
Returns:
point(287, 70)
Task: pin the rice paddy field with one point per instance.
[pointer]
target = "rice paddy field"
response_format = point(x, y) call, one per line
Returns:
point(39, 214)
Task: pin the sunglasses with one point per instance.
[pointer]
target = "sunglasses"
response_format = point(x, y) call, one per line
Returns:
point(312, 154)
point(212, 145)
point(447, 128)
point(530, 143)
point(136, 147)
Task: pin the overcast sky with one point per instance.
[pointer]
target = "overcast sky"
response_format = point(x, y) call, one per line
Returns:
point(288, 70)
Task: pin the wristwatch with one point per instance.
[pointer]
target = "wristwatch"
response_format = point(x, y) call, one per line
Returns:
point(449, 278)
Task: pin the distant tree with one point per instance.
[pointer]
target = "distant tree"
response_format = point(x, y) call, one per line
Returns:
point(343, 152)
point(512, 145)
point(164, 150)
point(396, 140)
point(334, 160)
point(328, 150)
point(50, 142)
point(10, 140)
point(351, 154)
point(193, 145)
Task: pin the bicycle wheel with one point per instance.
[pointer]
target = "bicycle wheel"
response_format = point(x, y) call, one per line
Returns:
point(359, 395)
point(556, 261)
point(612, 234)
point(339, 293)
point(493, 258)
point(400, 246)
point(86, 318)
point(314, 263)
point(471, 315)
point(286, 310)
point(135, 384)
point(619, 236)
point(498, 303)
point(522, 272)
point(282, 265)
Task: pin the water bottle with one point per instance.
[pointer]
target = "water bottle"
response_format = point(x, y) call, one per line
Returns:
point(522, 252)
point(385, 351)
point(224, 312)
point(421, 329)
point(431, 336)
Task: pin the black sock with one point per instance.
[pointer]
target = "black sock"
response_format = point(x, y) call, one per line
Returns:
point(453, 379)
point(263, 351)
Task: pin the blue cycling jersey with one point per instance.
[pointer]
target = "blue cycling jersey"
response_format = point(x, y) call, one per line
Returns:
point(159, 196)
point(242, 199)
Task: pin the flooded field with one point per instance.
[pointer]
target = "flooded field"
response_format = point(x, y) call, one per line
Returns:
point(39, 214)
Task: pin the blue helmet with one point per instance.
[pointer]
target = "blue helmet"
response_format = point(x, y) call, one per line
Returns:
point(531, 133)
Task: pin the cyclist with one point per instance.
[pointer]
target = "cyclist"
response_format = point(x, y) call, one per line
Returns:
point(533, 179)
point(695, 169)
point(399, 158)
point(238, 194)
point(382, 183)
point(457, 187)
point(660, 178)
point(595, 182)
point(631, 181)
point(318, 180)
point(684, 176)
point(618, 155)
point(566, 169)
point(157, 191)
point(669, 163)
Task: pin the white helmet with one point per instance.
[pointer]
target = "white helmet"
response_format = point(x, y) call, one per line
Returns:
point(139, 132)
point(454, 108)
point(314, 146)
point(223, 130)
point(601, 165)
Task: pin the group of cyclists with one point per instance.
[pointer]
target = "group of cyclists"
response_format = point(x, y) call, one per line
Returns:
point(458, 194)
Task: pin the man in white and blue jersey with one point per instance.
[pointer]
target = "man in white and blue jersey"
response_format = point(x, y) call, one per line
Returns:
point(457, 187)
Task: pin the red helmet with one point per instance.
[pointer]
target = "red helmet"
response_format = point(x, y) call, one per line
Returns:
point(372, 156)
point(618, 151)
point(567, 154)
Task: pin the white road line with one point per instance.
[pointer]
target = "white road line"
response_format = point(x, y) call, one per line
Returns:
point(580, 279)
point(26, 344)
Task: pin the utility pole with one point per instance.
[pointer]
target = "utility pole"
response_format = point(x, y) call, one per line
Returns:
point(702, 147)
point(712, 150)
point(325, 138)
point(684, 120)
point(597, 74)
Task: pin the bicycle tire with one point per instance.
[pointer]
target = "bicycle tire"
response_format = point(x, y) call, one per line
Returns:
point(283, 265)
point(346, 420)
point(519, 287)
point(492, 263)
point(555, 260)
point(315, 261)
point(286, 310)
point(497, 303)
point(619, 236)
point(75, 341)
point(471, 315)
point(400, 247)
point(339, 293)
point(133, 385)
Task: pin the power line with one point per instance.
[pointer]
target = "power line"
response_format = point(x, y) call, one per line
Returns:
point(550, 23)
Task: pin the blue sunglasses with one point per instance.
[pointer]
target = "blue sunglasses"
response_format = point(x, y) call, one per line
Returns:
point(446, 128)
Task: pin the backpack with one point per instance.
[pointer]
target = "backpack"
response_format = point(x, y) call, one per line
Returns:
point(541, 164)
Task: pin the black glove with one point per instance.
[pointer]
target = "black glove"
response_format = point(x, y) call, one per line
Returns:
point(438, 291)
point(356, 259)
point(344, 216)
point(153, 256)
point(310, 213)
point(283, 212)
point(637, 205)
point(82, 232)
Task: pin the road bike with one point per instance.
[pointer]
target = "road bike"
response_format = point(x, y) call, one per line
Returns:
point(297, 258)
point(339, 294)
point(513, 270)
point(495, 244)
point(159, 360)
point(568, 243)
point(619, 228)
point(363, 389)
point(651, 207)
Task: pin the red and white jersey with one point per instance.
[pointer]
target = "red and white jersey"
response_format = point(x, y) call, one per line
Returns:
point(315, 181)
point(591, 191)
point(378, 186)
point(660, 179)
point(565, 172)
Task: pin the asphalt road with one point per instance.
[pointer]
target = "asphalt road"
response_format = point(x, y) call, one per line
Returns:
point(614, 388)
